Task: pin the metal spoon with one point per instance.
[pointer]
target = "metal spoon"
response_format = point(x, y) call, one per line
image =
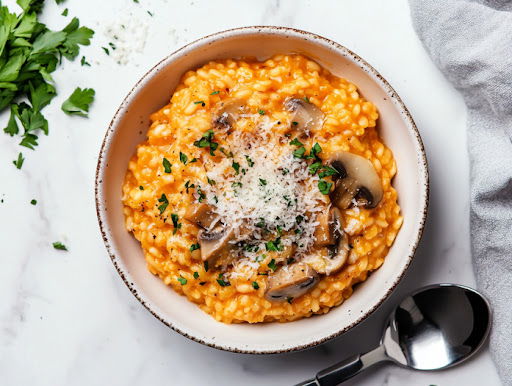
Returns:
point(434, 328)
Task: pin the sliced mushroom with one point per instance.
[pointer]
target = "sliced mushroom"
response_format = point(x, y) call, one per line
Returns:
point(291, 281)
point(215, 244)
point(335, 243)
point(357, 180)
point(288, 251)
point(227, 114)
point(326, 233)
point(305, 116)
point(201, 214)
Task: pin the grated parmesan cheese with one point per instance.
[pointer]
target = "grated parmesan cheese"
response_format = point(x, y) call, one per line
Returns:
point(128, 35)
point(272, 190)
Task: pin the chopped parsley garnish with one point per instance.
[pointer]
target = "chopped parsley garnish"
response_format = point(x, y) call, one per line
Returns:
point(327, 171)
point(33, 202)
point(314, 167)
point(300, 152)
point(205, 265)
point(201, 194)
point(261, 223)
point(295, 123)
point(324, 186)
point(263, 182)
point(296, 142)
point(65, 12)
point(289, 299)
point(285, 172)
point(222, 282)
point(315, 150)
point(188, 186)
point(106, 50)
point(214, 93)
point(196, 275)
point(210, 181)
point(150, 13)
point(167, 165)
point(79, 101)
point(194, 247)
point(299, 219)
point(58, 245)
point(250, 162)
point(200, 102)
point(84, 62)
point(202, 283)
point(274, 245)
point(193, 160)
point(306, 99)
point(182, 280)
point(175, 218)
point(19, 162)
point(207, 141)
point(165, 203)
point(255, 285)
point(261, 112)
point(272, 265)
point(236, 184)
point(263, 273)
point(236, 166)
point(183, 158)
point(141, 187)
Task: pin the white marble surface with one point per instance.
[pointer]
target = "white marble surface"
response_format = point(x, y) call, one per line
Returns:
point(67, 318)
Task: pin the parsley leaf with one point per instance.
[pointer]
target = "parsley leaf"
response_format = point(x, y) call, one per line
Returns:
point(79, 101)
point(236, 166)
point(182, 280)
point(296, 142)
point(214, 93)
point(207, 141)
point(250, 162)
point(255, 285)
point(194, 247)
point(261, 112)
point(263, 182)
point(183, 158)
point(58, 245)
point(300, 152)
point(167, 166)
point(324, 186)
point(33, 202)
point(175, 218)
point(19, 162)
point(196, 275)
point(165, 203)
point(272, 265)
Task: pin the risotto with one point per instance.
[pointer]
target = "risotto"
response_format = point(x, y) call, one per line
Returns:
point(263, 191)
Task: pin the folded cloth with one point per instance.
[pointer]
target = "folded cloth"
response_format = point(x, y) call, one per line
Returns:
point(471, 43)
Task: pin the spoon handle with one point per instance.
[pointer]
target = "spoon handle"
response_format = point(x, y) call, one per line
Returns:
point(344, 370)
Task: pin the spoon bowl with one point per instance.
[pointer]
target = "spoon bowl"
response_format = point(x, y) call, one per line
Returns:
point(436, 327)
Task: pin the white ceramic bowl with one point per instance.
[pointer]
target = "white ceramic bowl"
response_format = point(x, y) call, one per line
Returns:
point(129, 126)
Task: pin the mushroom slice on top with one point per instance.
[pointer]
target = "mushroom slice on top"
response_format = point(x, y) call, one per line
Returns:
point(291, 281)
point(327, 231)
point(227, 114)
point(305, 116)
point(336, 246)
point(215, 243)
point(357, 180)
point(201, 214)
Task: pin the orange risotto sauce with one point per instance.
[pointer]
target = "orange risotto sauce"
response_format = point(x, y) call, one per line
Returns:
point(238, 158)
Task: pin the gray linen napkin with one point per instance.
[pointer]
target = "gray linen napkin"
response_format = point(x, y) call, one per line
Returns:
point(471, 43)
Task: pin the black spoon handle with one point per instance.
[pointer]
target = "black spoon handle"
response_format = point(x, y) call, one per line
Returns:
point(344, 370)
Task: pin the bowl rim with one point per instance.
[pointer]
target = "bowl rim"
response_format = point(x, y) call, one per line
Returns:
point(248, 31)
